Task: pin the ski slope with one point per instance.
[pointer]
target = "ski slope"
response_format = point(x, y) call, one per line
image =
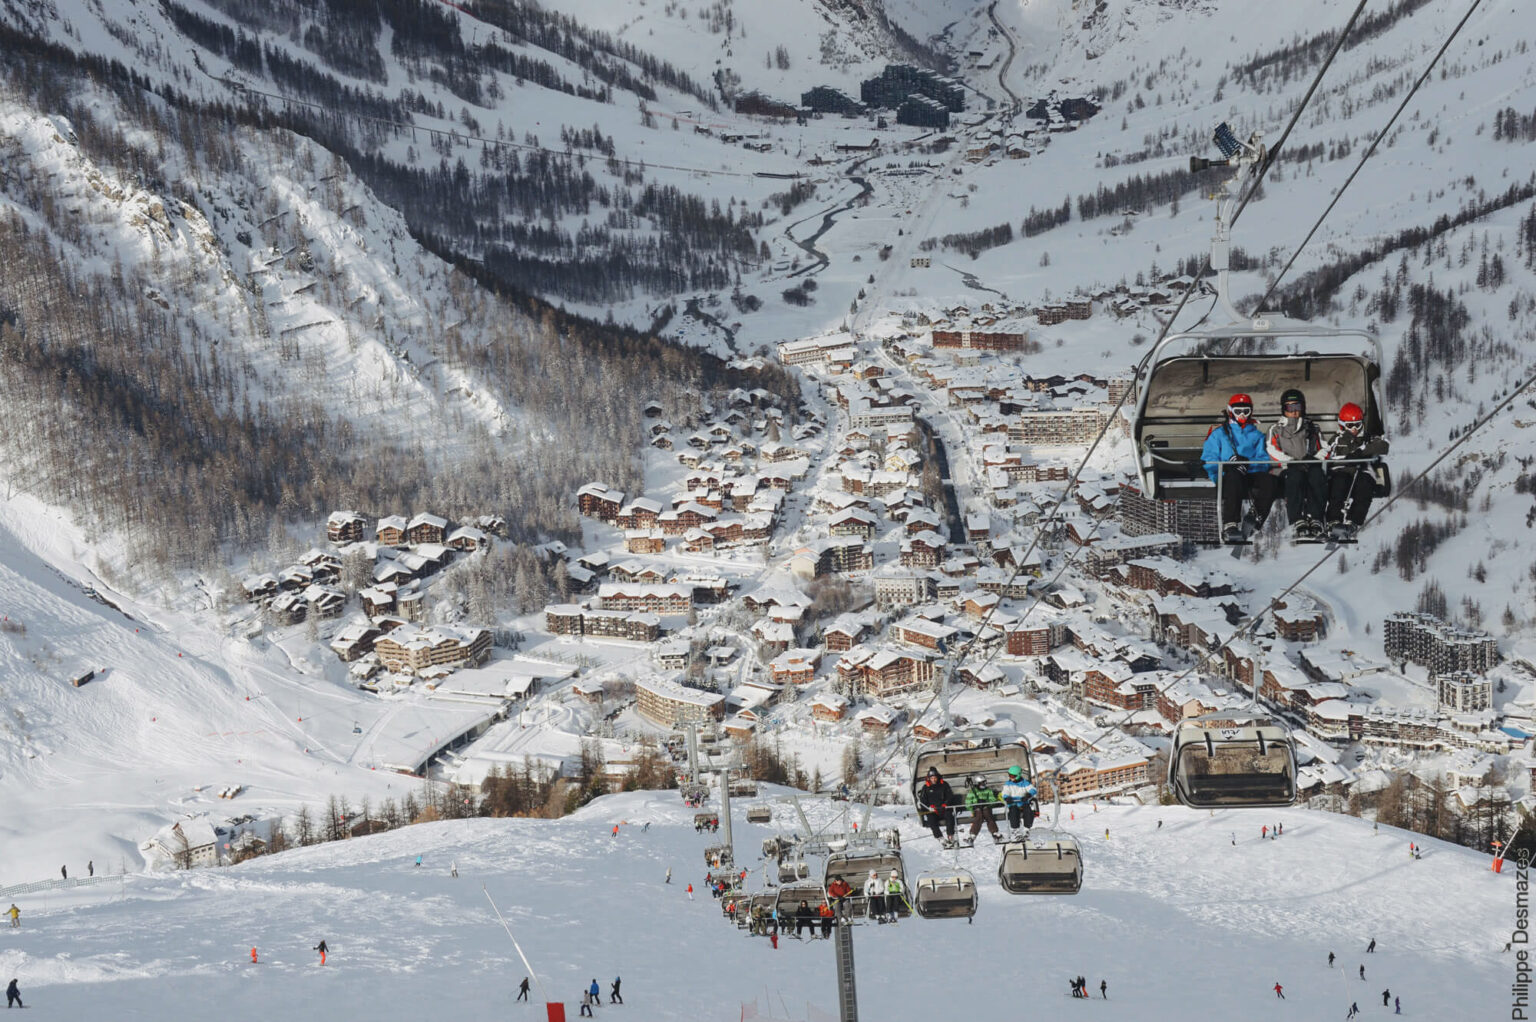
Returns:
point(1180, 921)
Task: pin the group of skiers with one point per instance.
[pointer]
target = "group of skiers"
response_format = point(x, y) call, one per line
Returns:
point(1387, 1000)
point(712, 825)
point(1328, 484)
point(937, 802)
point(1080, 987)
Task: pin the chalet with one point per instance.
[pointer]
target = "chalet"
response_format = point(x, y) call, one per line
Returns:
point(922, 519)
point(706, 588)
point(924, 550)
point(774, 636)
point(697, 541)
point(588, 690)
point(353, 640)
point(639, 513)
point(843, 634)
point(468, 539)
point(426, 528)
point(877, 719)
point(977, 605)
point(259, 588)
point(391, 572)
point(690, 515)
point(390, 530)
point(983, 676)
point(190, 842)
point(921, 632)
point(794, 666)
point(741, 727)
point(884, 672)
point(595, 500)
point(324, 601)
point(645, 541)
point(323, 567)
point(726, 531)
point(345, 527)
point(494, 525)
point(288, 608)
point(295, 578)
point(853, 522)
point(829, 707)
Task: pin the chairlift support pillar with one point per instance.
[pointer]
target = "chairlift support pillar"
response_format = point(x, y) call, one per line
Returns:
point(725, 811)
point(847, 993)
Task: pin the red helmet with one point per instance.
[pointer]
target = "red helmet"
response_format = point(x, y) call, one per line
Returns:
point(1240, 406)
point(1351, 416)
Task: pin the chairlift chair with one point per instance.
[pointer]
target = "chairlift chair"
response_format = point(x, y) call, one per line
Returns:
point(1183, 395)
point(989, 753)
point(1050, 863)
point(1250, 766)
point(1184, 383)
point(703, 819)
point(719, 857)
point(945, 895)
point(790, 896)
point(759, 814)
point(854, 867)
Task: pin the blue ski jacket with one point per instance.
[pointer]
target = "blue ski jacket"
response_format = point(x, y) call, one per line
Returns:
point(1228, 441)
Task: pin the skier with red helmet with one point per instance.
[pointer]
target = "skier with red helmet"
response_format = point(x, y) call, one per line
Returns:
point(1352, 484)
point(1235, 459)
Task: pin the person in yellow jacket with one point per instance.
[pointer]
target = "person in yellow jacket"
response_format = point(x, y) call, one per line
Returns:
point(15, 914)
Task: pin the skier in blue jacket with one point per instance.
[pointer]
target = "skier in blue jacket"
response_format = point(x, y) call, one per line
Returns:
point(1019, 796)
point(1238, 444)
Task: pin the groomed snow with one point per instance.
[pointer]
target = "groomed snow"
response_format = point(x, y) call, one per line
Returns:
point(1180, 922)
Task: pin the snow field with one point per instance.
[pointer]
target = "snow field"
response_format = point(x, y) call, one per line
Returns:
point(1177, 919)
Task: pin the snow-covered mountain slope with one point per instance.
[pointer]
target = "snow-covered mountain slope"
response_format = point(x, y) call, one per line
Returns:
point(1177, 919)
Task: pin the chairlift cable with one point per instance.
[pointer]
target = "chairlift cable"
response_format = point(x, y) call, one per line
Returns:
point(1369, 152)
point(1269, 157)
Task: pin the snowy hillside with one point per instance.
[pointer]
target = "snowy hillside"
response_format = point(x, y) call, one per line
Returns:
point(1177, 920)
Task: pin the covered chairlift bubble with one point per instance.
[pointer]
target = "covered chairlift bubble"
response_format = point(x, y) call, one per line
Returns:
point(853, 867)
point(941, 894)
point(1185, 382)
point(1041, 863)
point(759, 814)
point(958, 757)
point(1047, 860)
point(1253, 766)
